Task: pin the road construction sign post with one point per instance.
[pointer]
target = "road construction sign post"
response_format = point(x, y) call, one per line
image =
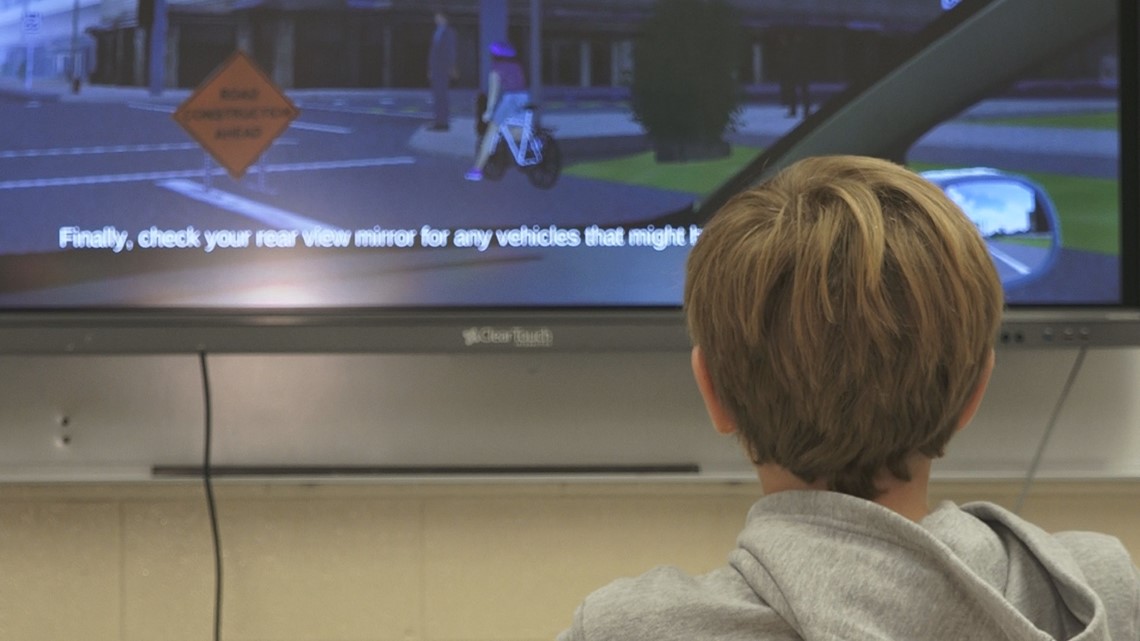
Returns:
point(236, 114)
point(30, 26)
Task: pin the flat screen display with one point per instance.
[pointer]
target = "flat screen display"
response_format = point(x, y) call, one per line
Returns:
point(109, 203)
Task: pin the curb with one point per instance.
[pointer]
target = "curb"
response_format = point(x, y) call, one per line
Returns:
point(23, 95)
point(576, 149)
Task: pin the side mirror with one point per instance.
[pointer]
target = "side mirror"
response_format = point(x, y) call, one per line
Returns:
point(1014, 214)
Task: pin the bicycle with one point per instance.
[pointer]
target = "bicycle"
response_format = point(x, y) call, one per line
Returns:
point(535, 152)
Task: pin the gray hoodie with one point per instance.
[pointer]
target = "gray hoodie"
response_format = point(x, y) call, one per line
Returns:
point(821, 566)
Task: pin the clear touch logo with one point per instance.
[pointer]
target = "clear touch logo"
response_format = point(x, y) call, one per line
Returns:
point(511, 336)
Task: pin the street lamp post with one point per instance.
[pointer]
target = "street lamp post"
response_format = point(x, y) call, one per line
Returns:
point(29, 48)
point(157, 58)
point(536, 51)
point(76, 70)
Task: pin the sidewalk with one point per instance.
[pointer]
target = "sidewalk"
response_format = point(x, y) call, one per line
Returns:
point(59, 90)
point(579, 135)
point(595, 132)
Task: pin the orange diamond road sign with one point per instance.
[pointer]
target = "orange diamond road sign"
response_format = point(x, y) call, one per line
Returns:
point(236, 114)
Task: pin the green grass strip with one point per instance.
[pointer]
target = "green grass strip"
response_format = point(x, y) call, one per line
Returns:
point(699, 178)
point(1088, 208)
point(1107, 120)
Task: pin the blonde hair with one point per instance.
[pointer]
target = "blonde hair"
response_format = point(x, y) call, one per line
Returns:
point(846, 310)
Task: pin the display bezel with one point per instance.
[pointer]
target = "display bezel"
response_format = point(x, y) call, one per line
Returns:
point(403, 330)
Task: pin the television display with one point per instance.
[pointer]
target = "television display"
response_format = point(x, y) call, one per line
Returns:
point(155, 197)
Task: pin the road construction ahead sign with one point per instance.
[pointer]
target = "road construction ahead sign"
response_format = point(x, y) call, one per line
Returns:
point(236, 114)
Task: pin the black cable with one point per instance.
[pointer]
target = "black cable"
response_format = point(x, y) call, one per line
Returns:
point(211, 506)
point(1031, 474)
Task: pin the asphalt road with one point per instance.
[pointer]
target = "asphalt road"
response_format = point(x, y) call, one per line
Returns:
point(131, 196)
point(120, 174)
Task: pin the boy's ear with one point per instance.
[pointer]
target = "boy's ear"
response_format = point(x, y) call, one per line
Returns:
point(722, 419)
point(975, 400)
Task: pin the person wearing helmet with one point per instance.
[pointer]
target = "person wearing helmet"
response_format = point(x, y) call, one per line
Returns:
point(507, 96)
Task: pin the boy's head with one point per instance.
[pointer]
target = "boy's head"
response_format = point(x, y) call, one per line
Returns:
point(845, 312)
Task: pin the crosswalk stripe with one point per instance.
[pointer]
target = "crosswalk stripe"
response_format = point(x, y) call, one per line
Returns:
point(268, 214)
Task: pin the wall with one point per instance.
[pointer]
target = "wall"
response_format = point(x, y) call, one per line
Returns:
point(385, 562)
point(92, 548)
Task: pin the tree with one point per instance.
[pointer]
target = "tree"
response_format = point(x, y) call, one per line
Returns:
point(685, 90)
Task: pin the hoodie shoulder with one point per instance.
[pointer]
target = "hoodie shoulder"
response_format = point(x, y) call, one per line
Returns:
point(666, 604)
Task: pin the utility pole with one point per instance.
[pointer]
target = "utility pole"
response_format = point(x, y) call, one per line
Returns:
point(493, 21)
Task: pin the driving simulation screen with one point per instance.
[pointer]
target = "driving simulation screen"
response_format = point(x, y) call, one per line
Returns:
point(112, 196)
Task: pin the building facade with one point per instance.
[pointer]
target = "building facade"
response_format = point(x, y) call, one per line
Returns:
point(383, 43)
point(581, 44)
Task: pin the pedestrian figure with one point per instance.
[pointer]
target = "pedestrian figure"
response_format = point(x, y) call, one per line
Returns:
point(442, 71)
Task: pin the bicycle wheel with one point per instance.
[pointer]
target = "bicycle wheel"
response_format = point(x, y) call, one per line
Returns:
point(497, 164)
point(545, 173)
